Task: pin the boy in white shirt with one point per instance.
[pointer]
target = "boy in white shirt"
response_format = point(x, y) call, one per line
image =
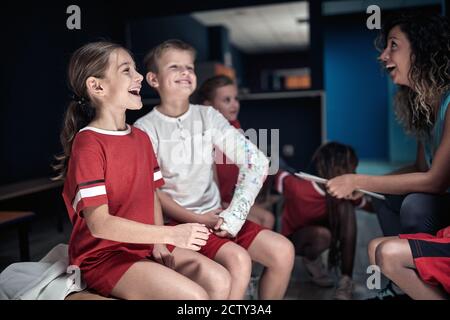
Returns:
point(184, 137)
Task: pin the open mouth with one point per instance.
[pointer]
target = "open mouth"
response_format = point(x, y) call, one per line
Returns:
point(135, 91)
point(390, 68)
point(183, 81)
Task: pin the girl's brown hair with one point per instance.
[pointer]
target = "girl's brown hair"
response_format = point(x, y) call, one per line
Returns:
point(331, 160)
point(91, 60)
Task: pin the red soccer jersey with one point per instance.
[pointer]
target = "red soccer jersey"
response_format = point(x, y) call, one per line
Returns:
point(227, 172)
point(304, 202)
point(117, 168)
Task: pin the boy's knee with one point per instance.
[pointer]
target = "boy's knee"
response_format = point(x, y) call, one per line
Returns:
point(282, 255)
point(240, 260)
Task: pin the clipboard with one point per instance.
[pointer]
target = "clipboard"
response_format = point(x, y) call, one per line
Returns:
point(320, 180)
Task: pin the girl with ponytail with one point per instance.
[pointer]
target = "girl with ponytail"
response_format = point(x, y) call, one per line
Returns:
point(110, 176)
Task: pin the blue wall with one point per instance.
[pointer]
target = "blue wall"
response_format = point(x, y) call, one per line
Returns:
point(402, 147)
point(356, 89)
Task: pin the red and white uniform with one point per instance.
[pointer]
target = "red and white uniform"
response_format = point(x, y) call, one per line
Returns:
point(304, 203)
point(119, 169)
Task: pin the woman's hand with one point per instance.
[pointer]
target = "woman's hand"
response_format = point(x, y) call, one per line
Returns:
point(190, 236)
point(163, 256)
point(342, 187)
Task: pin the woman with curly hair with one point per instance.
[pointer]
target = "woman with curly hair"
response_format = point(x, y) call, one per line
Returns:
point(416, 55)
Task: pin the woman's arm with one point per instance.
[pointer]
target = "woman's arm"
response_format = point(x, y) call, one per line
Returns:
point(435, 180)
point(105, 226)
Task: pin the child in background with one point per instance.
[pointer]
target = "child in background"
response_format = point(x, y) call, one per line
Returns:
point(111, 174)
point(184, 137)
point(221, 93)
point(315, 221)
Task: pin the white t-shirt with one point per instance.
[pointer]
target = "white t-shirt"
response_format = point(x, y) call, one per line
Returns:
point(184, 147)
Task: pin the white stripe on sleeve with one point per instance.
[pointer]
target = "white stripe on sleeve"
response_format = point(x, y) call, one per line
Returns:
point(157, 175)
point(279, 184)
point(88, 193)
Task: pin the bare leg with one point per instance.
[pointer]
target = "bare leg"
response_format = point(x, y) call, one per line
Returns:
point(276, 253)
point(239, 264)
point(373, 245)
point(210, 275)
point(86, 295)
point(261, 216)
point(152, 281)
point(396, 261)
point(311, 241)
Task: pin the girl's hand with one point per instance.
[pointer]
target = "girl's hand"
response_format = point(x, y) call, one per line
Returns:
point(211, 218)
point(163, 256)
point(190, 236)
point(342, 186)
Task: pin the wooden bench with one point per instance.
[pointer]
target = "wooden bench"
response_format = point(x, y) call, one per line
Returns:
point(21, 220)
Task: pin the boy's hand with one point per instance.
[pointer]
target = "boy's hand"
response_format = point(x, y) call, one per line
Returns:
point(223, 234)
point(210, 218)
point(163, 256)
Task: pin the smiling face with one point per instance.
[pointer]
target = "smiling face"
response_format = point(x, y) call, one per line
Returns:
point(121, 85)
point(225, 100)
point(396, 56)
point(176, 76)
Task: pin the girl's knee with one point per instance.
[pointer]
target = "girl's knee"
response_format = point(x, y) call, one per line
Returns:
point(220, 282)
point(322, 235)
point(198, 293)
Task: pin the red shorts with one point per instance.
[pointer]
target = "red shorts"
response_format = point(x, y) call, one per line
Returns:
point(104, 275)
point(431, 256)
point(244, 238)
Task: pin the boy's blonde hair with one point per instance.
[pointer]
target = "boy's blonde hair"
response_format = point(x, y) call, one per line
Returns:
point(151, 59)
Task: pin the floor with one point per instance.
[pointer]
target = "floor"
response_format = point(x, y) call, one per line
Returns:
point(44, 236)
